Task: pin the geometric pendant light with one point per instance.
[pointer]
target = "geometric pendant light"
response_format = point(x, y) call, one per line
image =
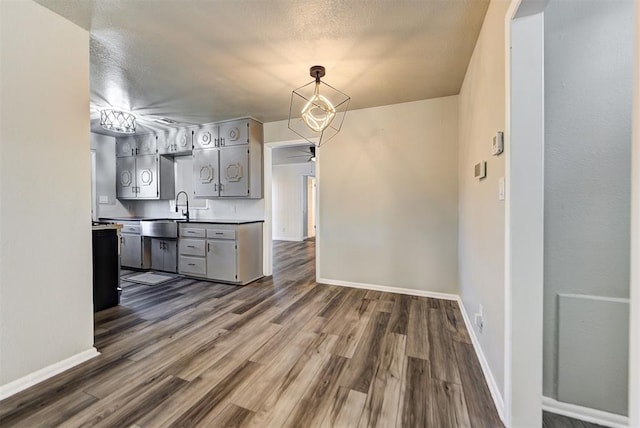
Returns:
point(317, 109)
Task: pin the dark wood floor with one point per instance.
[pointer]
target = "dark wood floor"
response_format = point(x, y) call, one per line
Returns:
point(551, 420)
point(283, 351)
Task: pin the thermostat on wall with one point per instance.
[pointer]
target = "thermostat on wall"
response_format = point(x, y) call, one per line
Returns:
point(498, 143)
point(480, 170)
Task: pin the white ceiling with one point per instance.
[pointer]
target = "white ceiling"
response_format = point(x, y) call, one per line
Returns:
point(202, 61)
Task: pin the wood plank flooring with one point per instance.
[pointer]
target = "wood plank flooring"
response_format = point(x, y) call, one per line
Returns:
point(281, 352)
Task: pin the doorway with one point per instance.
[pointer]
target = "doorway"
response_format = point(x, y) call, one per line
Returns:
point(536, 114)
point(286, 164)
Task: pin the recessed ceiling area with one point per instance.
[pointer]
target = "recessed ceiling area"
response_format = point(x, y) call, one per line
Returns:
point(203, 61)
point(292, 154)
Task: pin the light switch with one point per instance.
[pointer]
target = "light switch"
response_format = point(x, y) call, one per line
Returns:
point(104, 199)
point(501, 189)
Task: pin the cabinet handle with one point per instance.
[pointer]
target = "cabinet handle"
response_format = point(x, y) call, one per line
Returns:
point(219, 233)
point(208, 247)
point(191, 264)
point(191, 246)
point(132, 151)
point(215, 187)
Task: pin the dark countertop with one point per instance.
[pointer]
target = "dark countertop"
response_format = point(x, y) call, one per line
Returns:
point(182, 220)
point(221, 221)
point(135, 218)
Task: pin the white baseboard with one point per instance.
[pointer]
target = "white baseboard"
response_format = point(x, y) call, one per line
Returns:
point(387, 289)
point(486, 370)
point(29, 380)
point(584, 413)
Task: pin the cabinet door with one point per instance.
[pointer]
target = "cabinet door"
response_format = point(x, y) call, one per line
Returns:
point(146, 144)
point(183, 141)
point(126, 178)
point(164, 142)
point(131, 250)
point(221, 260)
point(147, 176)
point(126, 146)
point(157, 254)
point(206, 137)
point(234, 171)
point(171, 256)
point(205, 173)
point(234, 133)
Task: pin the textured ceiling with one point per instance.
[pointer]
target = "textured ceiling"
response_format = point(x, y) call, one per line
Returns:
point(202, 61)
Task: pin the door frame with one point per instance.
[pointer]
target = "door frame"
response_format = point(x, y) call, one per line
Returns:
point(267, 232)
point(524, 212)
point(523, 381)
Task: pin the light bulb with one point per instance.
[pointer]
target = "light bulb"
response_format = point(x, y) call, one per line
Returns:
point(318, 112)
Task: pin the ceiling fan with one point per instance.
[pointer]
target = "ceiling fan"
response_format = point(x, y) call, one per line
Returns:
point(310, 153)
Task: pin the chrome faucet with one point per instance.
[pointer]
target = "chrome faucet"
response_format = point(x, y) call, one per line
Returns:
point(185, 213)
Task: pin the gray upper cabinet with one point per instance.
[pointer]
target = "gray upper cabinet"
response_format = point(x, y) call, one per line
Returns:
point(231, 167)
point(145, 177)
point(234, 133)
point(143, 144)
point(234, 171)
point(206, 137)
point(206, 177)
point(126, 178)
point(175, 142)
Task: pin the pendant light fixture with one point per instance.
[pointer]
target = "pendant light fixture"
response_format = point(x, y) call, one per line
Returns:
point(317, 109)
point(118, 121)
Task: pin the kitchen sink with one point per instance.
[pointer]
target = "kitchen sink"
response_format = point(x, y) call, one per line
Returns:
point(159, 228)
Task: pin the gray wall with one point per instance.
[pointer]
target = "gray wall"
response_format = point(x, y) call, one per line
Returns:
point(588, 90)
point(108, 205)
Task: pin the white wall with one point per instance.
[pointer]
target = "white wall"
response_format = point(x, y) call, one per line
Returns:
point(481, 214)
point(107, 204)
point(387, 196)
point(287, 200)
point(46, 310)
point(588, 102)
point(634, 345)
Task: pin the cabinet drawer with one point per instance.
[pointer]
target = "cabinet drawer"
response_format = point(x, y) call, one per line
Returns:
point(221, 234)
point(131, 228)
point(193, 232)
point(192, 247)
point(193, 266)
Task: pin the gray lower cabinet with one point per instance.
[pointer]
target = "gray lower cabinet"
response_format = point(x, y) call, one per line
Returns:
point(134, 248)
point(131, 250)
point(221, 260)
point(164, 255)
point(221, 251)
